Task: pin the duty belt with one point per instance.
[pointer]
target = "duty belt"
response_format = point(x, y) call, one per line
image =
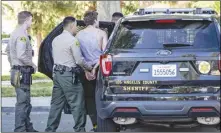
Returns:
point(63, 68)
point(16, 67)
point(19, 67)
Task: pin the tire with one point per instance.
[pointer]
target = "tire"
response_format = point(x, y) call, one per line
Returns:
point(107, 125)
point(218, 127)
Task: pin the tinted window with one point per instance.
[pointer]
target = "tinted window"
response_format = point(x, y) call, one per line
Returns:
point(149, 34)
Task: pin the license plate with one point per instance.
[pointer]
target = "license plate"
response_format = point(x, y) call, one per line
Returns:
point(164, 70)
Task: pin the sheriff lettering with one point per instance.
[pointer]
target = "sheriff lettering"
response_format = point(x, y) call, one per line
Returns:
point(135, 88)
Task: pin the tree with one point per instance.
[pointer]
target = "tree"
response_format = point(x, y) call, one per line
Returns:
point(4, 35)
point(7, 10)
point(216, 6)
point(203, 4)
point(47, 14)
point(129, 7)
point(106, 9)
point(170, 3)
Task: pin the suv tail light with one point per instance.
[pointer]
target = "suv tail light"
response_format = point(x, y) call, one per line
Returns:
point(166, 21)
point(129, 109)
point(216, 69)
point(106, 64)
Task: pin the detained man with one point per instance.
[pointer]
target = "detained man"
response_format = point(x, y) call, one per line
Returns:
point(93, 42)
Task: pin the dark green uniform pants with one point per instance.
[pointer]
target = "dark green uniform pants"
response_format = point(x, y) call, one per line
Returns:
point(22, 109)
point(65, 90)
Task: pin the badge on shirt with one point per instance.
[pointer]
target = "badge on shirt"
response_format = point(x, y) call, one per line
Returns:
point(23, 39)
point(77, 43)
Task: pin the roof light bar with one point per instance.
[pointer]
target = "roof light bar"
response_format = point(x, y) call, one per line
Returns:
point(144, 11)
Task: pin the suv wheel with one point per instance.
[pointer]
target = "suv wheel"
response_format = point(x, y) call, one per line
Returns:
point(107, 125)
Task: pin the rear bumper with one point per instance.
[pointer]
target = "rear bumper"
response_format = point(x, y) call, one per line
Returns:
point(157, 109)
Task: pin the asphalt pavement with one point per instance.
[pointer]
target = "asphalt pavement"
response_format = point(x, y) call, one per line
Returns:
point(39, 115)
point(39, 120)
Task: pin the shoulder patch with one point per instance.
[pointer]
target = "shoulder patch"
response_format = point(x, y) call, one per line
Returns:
point(23, 39)
point(77, 43)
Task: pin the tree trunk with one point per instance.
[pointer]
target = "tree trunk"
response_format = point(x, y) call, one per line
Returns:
point(105, 9)
point(39, 40)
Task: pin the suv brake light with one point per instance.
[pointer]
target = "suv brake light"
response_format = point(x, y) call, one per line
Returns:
point(127, 109)
point(165, 21)
point(106, 64)
point(201, 109)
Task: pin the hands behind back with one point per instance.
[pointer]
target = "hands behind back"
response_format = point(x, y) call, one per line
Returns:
point(90, 75)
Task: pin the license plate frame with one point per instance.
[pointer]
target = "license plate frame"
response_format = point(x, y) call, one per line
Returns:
point(164, 71)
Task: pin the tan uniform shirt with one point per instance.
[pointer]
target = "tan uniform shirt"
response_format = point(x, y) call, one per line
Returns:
point(66, 51)
point(19, 49)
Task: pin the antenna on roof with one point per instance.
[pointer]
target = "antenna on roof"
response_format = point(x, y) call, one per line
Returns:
point(141, 11)
point(198, 10)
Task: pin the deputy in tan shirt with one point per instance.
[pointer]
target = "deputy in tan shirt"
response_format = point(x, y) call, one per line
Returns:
point(66, 54)
point(66, 51)
point(19, 53)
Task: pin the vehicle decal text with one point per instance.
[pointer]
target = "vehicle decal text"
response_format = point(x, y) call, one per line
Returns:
point(135, 88)
point(135, 82)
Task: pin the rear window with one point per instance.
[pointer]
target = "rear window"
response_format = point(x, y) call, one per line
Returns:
point(153, 35)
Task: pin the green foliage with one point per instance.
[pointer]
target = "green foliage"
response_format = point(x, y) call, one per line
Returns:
point(37, 90)
point(216, 6)
point(47, 14)
point(82, 7)
point(36, 76)
point(3, 35)
point(171, 3)
point(7, 8)
point(42, 15)
point(130, 7)
point(203, 4)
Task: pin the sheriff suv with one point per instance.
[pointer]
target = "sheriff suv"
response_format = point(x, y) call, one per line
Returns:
point(161, 67)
